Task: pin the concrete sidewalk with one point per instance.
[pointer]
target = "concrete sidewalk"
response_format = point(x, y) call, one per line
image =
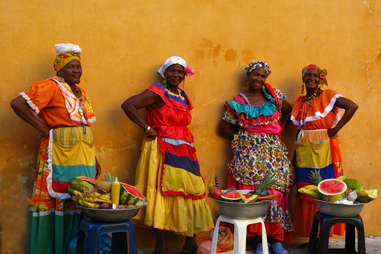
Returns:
point(299, 246)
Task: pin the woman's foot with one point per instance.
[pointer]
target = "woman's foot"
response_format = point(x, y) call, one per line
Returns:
point(278, 248)
point(161, 244)
point(190, 246)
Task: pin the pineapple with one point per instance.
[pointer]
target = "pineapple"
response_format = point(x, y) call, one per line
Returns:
point(267, 182)
point(315, 177)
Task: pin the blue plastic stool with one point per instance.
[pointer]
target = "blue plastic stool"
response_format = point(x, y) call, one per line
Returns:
point(326, 222)
point(92, 232)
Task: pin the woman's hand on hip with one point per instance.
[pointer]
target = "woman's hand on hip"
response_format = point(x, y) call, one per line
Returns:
point(332, 132)
point(151, 134)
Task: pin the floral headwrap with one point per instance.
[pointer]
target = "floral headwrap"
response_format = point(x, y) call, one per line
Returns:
point(175, 60)
point(66, 52)
point(258, 64)
point(322, 73)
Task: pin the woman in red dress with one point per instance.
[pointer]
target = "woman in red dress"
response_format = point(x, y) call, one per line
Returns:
point(168, 173)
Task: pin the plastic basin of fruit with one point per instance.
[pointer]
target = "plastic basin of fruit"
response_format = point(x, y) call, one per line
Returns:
point(338, 210)
point(111, 215)
point(238, 210)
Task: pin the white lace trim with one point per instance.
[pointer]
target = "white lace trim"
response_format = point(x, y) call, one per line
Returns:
point(318, 115)
point(30, 103)
point(49, 179)
point(69, 103)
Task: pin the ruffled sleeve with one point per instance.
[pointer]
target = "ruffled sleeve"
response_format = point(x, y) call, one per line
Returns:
point(228, 115)
point(40, 95)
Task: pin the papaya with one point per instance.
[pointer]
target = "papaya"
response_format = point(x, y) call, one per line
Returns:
point(353, 184)
point(268, 197)
point(365, 196)
point(79, 185)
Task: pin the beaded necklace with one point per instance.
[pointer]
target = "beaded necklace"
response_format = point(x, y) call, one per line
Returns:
point(310, 99)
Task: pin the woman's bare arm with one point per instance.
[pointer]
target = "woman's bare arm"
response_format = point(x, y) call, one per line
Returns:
point(21, 108)
point(350, 108)
point(142, 100)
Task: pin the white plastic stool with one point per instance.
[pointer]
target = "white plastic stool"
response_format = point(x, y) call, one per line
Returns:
point(240, 228)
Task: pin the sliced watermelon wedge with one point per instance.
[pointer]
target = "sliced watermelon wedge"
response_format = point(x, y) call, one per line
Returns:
point(332, 189)
point(231, 196)
point(130, 195)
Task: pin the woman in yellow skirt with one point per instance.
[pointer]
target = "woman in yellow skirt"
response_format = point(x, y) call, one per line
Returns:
point(168, 172)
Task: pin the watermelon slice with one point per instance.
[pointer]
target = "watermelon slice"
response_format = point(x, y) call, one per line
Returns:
point(332, 189)
point(130, 195)
point(231, 196)
point(214, 191)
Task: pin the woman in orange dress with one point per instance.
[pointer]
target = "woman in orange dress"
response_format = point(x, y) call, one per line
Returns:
point(62, 113)
point(317, 115)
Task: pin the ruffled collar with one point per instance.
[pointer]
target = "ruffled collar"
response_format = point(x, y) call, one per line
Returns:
point(254, 111)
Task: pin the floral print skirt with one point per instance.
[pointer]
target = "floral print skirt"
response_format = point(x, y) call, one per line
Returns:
point(259, 155)
point(255, 157)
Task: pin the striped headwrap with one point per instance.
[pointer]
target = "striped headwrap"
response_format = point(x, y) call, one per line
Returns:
point(66, 52)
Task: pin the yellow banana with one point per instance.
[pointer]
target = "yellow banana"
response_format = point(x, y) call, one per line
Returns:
point(91, 205)
point(311, 187)
point(77, 193)
point(310, 190)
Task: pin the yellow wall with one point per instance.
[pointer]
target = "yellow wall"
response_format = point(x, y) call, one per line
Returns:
point(125, 41)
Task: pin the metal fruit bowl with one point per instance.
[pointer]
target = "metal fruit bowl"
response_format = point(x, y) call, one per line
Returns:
point(338, 210)
point(237, 210)
point(111, 215)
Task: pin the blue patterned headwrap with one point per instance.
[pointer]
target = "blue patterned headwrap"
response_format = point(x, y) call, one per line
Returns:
point(258, 64)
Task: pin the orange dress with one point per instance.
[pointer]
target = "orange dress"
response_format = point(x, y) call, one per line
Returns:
point(315, 151)
point(52, 220)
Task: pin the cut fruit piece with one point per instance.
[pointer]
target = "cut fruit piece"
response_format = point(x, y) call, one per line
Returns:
point(214, 191)
point(250, 199)
point(366, 196)
point(231, 196)
point(268, 197)
point(130, 195)
point(332, 189)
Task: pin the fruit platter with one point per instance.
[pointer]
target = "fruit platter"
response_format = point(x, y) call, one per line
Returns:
point(340, 197)
point(106, 200)
point(243, 204)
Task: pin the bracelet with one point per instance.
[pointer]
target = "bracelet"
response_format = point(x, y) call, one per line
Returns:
point(147, 129)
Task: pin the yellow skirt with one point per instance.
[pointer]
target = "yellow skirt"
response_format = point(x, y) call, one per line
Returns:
point(181, 215)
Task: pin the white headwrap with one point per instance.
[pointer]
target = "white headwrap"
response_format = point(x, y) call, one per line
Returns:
point(171, 61)
point(67, 47)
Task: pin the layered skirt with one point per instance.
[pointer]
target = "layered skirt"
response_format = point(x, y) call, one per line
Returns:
point(53, 217)
point(256, 156)
point(317, 152)
point(182, 215)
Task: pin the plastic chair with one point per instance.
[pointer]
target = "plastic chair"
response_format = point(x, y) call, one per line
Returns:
point(94, 230)
point(326, 222)
point(240, 228)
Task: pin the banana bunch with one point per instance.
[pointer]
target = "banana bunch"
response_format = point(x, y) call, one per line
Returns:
point(91, 199)
point(311, 190)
